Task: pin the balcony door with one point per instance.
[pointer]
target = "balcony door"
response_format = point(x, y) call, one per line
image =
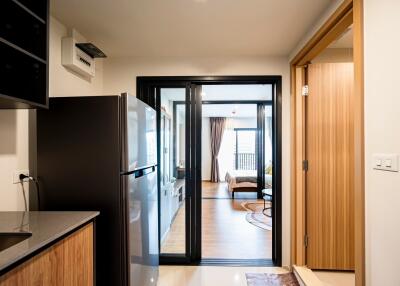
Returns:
point(245, 149)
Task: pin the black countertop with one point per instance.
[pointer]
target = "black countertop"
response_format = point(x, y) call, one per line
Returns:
point(45, 227)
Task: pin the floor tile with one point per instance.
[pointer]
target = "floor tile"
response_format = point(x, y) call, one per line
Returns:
point(209, 275)
point(332, 278)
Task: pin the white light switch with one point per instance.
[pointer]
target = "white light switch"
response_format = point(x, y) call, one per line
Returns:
point(386, 162)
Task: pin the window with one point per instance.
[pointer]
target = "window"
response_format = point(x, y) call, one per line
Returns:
point(245, 149)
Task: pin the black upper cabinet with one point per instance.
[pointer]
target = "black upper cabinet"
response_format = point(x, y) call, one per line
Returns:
point(23, 54)
point(37, 7)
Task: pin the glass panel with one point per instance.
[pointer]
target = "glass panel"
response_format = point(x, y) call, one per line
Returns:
point(238, 117)
point(239, 92)
point(245, 155)
point(268, 147)
point(172, 167)
point(227, 229)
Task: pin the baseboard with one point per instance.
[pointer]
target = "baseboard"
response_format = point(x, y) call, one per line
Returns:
point(237, 262)
point(306, 277)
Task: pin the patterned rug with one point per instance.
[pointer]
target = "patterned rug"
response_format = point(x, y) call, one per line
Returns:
point(267, 279)
point(256, 216)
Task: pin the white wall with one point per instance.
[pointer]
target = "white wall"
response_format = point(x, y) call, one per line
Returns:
point(63, 82)
point(242, 122)
point(120, 75)
point(382, 135)
point(13, 156)
point(14, 139)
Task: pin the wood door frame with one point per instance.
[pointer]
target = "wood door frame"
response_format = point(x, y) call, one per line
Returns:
point(349, 12)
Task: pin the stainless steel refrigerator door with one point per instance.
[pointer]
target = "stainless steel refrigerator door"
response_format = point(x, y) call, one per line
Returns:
point(143, 227)
point(138, 134)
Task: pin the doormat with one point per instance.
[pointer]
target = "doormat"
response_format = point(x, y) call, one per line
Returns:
point(269, 279)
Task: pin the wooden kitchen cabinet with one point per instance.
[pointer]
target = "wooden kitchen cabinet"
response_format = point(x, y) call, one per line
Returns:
point(68, 262)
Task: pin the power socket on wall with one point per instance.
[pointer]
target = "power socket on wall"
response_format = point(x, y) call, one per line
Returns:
point(16, 175)
point(386, 162)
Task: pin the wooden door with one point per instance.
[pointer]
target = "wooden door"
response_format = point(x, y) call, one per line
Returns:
point(330, 155)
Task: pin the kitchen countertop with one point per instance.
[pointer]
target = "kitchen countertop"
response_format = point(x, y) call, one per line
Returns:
point(46, 227)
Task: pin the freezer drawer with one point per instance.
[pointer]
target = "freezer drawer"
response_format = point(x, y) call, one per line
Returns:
point(143, 227)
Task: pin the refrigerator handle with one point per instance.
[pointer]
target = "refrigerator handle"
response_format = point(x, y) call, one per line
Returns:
point(142, 172)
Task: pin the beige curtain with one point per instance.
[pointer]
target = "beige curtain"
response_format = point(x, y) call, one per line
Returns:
point(217, 127)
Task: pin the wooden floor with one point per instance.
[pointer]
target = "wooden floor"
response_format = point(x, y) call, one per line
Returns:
point(226, 233)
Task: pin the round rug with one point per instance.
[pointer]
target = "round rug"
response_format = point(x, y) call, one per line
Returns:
point(255, 214)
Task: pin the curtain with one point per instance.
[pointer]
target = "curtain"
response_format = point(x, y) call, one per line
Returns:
point(226, 155)
point(217, 127)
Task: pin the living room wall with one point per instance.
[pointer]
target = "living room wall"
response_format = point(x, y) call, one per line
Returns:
point(120, 76)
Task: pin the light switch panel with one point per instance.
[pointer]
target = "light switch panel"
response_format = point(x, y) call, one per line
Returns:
point(386, 162)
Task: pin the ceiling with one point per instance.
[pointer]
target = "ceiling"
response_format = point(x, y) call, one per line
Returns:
point(191, 27)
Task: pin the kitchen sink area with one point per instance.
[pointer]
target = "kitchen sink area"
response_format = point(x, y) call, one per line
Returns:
point(10, 239)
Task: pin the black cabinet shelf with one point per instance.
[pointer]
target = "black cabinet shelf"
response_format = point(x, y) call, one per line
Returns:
point(24, 29)
point(35, 7)
point(7, 43)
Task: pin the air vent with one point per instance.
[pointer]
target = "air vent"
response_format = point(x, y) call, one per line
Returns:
point(91, 50)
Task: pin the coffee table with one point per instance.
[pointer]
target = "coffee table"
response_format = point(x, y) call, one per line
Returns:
point(267, 197)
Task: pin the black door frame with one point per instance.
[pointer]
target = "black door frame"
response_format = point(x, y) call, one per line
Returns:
point(146, 87)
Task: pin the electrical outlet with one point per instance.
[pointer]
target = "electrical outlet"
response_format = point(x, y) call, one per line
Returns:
point(16, 179)
point(386, 162)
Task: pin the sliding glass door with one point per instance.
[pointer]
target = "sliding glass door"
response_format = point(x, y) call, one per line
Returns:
point(176, 117)
point(245, 149)
point(172, 192)
point(178, 101)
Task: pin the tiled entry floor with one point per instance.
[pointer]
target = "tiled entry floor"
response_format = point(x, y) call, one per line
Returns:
point(332, 278)
point(209, 275)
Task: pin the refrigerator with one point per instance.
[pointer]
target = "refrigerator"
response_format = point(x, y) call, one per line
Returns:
point(100, 153)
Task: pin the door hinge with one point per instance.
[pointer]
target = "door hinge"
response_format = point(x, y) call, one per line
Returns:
point(306, 240)
point(305, 165)
point(304, 90)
